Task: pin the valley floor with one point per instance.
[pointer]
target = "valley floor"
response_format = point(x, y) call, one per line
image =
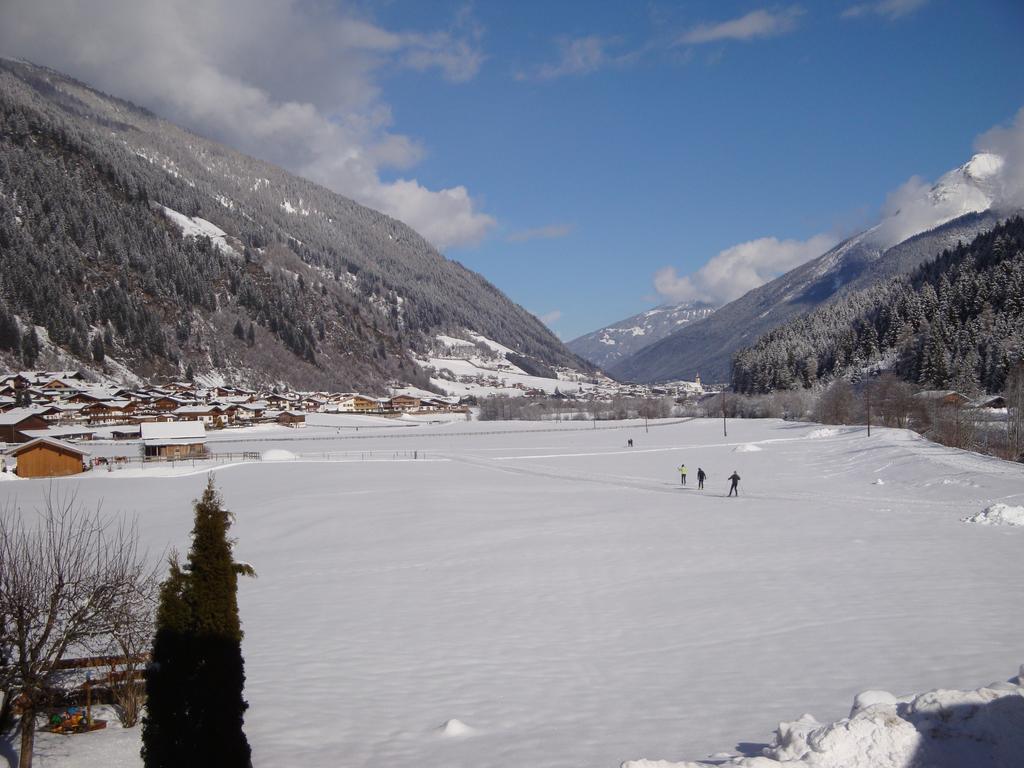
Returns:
point(564, 598)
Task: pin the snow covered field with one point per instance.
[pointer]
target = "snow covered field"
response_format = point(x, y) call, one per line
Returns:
point(564, 599)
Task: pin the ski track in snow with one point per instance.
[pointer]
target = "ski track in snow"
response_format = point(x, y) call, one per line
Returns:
point(568, 601)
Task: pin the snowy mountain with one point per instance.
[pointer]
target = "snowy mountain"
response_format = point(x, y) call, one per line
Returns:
point(137, 247)
point(608, 345)
point(919, 224)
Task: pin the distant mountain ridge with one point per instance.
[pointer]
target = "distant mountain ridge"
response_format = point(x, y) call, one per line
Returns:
point(135, 245)
point(955, 322)
point(606, 346)
point(956, 209)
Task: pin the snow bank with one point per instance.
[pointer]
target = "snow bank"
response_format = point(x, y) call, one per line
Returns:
point(748, 448)
point(822, 432)
point(278, 454)
point(941, 728)
point(998, 514)
point(454, 728)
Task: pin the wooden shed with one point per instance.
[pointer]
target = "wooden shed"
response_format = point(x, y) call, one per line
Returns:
point(46, 457)
point(174, 440)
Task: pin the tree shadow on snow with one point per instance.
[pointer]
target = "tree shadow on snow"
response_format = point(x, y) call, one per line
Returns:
point(7, 751)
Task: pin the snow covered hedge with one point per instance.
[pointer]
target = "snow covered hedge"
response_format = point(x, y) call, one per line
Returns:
point(939, 729)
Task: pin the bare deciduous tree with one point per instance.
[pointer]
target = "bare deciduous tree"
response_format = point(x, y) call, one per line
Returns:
point(66, 576)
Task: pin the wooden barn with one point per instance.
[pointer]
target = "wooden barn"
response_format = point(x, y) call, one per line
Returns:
point(174, 440)
point(46, 457)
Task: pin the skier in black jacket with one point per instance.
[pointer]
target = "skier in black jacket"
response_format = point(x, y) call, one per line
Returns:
point(701, 477)
point(735, 480)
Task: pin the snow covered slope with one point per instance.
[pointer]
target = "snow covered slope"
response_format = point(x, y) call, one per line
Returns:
point(472, 364)
point(336, 295)
point(562, 598)
point(608, 345)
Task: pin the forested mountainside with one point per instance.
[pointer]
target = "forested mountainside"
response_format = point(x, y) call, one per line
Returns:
point(707, 346)
point(956, 322)
point(606, 346)
point(129, 240)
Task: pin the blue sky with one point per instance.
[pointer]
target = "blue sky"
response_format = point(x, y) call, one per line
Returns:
point(587, 157)
point(658, 152)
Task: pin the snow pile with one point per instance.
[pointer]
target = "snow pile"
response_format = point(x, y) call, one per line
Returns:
point(997, 514)
point(940, 728)
point(817, 434)
point(278, 454)
point(879, 481)
point(748, 448)
point(454, 728)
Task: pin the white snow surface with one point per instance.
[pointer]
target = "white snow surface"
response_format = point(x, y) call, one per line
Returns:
point(278, 454)
point(747, 448)
point(567, 599)
point(998, 514)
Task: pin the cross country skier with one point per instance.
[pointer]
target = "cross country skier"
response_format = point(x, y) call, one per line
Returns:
point(735, 480)
point(682, 473)
point(701, 477)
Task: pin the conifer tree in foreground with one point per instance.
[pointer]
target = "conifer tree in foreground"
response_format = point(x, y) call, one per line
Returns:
point(195, 683)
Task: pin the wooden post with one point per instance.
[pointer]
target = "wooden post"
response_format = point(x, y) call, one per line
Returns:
point(88, 701)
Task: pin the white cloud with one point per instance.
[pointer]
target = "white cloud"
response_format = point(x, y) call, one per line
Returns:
point(582, 56)
point(756, 24)
point(993, 177)
point(738, 269)
point(549, 232)
point(551, 317)
point(1008, 143)
point(891, 9)
point(292, 82)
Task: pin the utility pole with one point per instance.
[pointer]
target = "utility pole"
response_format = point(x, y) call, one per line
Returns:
point(867, 401)
point(725, 429)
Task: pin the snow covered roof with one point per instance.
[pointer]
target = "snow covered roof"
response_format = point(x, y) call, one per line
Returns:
point(173, 432)
point(18, 415)
point(53, 443)
point(57, 432)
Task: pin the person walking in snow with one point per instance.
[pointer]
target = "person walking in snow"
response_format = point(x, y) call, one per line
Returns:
point(735, 480)
point(701, 477)
point(682, 473)
point(630, 442)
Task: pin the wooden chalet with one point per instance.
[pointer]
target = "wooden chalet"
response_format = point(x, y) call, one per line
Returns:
point(14, 421)
point(404, 403)
point(204, 413)
point(291, 418)
point(359, 404)
point(48, 457)
point(942, 397)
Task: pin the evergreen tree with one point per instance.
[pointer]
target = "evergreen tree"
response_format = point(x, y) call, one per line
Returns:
point(98, 352)
point(217, 708)
point(10, 334)
point(30, 347)
point(196, 708)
